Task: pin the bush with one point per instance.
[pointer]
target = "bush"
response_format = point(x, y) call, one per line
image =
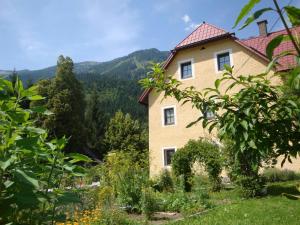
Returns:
point(205, 153)
point(164, 182)
point(250, 186)
point(126, 178)
point(149, 202)
point(276, 175)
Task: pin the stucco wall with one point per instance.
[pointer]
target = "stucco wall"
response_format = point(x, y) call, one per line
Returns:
point(205, 75)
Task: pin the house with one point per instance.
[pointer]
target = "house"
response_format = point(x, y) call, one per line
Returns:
point(198, 61)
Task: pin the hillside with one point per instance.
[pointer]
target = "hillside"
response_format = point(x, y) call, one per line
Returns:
point(128, 67)
point(116, 81)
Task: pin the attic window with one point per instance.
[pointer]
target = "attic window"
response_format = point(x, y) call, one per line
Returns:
point(223, 58)
point(186, 69)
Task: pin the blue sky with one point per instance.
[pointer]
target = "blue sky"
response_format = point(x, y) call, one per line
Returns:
point(33, 33)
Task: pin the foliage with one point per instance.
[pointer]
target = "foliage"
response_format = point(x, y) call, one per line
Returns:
point(64, 97)
point(276, 175)
point(95, 123)
point(149, 202)
point(125, 134)
point(203, 152)
point(126, 177)
point(163, 182)
point(31, 167)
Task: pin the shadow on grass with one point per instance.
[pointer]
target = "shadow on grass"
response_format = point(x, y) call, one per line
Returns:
point(278, 189)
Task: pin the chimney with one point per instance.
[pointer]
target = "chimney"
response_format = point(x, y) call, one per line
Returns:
point(262, 26)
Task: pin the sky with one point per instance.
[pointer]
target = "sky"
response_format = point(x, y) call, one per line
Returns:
point(33, 33)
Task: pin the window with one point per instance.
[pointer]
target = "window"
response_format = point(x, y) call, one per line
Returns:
point(168, 153)
point(208, 114)
point(169, 116)
point(186, 70)
point(223, 58)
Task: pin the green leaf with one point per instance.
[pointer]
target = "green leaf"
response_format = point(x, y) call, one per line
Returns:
point(244, 124)
point(76, 157)
point(68, 198)
point(293, 14)
point(246, 9)
point(35, 97)
point(255, 16)
point(5, 164)
point(217, 83)
point(36, 130)
point(252, 144)
point(26, 178)
point(274, 43)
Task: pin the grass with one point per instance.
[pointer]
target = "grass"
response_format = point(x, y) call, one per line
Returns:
point(270, 210)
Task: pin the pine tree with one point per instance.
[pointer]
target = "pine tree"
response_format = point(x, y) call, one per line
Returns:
point(95, 123)
point(65, 99)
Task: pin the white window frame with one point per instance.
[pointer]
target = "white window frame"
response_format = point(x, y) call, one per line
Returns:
point(163, 116)
point(193, 69)
point(163, 155)
point(216, 58)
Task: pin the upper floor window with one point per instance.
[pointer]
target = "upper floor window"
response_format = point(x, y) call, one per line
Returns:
point(169, 116)
point(223, 58)
point(168, 153)
point(186, 69)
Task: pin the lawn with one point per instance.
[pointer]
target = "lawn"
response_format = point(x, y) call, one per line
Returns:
point(270, 210)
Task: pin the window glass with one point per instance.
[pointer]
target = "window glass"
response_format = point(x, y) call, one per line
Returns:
point(168, 153)
point(208, 114)
point(186, 70)
point(169, 116)
point(223, 59)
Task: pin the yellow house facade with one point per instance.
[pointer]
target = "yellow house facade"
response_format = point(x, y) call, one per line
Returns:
point(196, 61)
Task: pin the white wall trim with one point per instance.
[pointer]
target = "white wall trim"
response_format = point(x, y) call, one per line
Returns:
point(163, 115)
point(216, 58)
point(179, 68)
point(163, 155)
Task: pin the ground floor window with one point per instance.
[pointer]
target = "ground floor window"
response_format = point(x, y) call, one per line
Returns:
point(168, 153)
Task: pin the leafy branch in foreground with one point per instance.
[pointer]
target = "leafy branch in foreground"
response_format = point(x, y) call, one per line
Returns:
point(32, 169)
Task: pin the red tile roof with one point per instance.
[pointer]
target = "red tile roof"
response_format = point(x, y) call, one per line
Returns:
point(260, 43)
point(204, 32)
point(207, 32)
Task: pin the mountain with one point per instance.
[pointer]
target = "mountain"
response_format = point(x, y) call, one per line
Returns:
point(116, 81)
point(130, 66)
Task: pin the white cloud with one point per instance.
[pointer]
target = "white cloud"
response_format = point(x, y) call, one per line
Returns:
point(186, 18)
point(189, 24)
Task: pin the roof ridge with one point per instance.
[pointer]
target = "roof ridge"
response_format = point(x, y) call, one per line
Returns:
point(277, 31)
point(190, 34)
point(202, 29)
point(217, 27)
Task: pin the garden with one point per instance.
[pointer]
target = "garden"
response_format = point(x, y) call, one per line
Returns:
point(43, 182)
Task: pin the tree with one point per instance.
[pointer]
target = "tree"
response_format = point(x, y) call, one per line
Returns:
point(260, 119)
point(95, 123)
point(125, 134)
point(65, 99)
point(13, 77)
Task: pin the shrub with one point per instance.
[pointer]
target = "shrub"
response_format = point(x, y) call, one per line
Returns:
point(149, 202)
point(126, 178)
point(275, 175)
point(205, 153)
point(164, 182)
point(250, 186)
